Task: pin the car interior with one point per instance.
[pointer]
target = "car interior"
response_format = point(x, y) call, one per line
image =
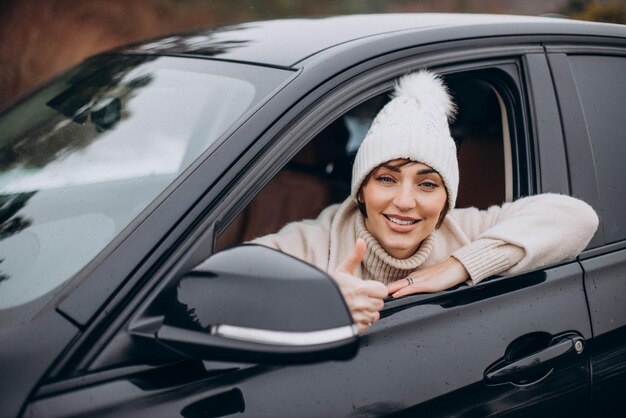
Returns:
point(319, 175)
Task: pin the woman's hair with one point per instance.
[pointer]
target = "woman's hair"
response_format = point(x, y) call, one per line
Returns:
point(396, 164)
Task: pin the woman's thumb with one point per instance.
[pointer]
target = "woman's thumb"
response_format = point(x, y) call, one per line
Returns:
point(350, 264)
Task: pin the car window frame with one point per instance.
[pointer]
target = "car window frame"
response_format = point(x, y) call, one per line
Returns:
point(281, 152)
point(523, 146)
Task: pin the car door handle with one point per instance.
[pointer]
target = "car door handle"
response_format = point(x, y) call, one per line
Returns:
point(508, 371)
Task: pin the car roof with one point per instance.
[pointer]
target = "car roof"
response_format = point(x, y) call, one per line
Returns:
point(286, 42)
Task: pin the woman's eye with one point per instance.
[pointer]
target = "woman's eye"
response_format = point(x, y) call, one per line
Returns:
point(429, 184)
point(384, 179)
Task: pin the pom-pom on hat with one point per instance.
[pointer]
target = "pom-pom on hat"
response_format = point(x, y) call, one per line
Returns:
point(414, 126)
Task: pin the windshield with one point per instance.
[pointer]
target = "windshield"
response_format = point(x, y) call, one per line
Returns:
point(82, 157)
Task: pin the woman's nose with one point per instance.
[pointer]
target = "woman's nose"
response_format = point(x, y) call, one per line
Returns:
point(405, 198)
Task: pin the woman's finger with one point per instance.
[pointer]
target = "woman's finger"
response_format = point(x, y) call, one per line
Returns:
point(364, 301)
point(375, 317)
point(377, 303)
point(435, 278)
point(375, 289)
point(361, 327)
point(350, 264)
point(393, 287)
point(426, 286)
point(367, 306)
point(365, 318)
point(363, 297)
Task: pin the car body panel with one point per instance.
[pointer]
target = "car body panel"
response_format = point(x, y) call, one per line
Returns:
point(605, 283)
point(40, 344)
point(407, 379)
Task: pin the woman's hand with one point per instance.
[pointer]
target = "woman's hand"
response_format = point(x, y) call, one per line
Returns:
point(363, 297)
point(435, 278)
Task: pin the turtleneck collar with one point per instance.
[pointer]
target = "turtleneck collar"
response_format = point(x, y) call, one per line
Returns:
point(379, 265)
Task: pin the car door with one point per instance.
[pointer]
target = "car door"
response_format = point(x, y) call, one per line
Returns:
point(592, 94)
point(509, 346)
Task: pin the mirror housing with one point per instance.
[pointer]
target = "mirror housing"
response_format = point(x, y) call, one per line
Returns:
point(252, 304)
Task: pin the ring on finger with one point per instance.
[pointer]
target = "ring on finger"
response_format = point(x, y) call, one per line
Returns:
point(409, 280)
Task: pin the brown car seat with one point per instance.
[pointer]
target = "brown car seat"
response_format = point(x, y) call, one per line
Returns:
point(312, 180)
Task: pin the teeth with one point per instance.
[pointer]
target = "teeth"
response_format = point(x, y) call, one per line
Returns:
point(400, 221)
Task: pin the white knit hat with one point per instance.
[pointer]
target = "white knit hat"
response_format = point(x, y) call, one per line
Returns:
point(413, 125)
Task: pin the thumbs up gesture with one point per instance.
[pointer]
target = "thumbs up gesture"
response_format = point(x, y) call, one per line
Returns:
point(363, 297)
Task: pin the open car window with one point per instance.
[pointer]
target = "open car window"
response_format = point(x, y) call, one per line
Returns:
point(320, 174)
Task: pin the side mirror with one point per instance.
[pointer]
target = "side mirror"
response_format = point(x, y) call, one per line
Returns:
point(251, 304)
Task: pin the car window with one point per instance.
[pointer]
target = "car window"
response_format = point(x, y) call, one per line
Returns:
point(320, 174)
point(84, 156)
point(600, 81)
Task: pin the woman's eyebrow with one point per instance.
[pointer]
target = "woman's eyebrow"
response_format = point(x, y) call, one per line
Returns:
point(427, 171)
point(419, 173)
point(392, 168)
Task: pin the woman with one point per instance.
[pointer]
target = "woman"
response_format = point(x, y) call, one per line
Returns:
point(397, 234)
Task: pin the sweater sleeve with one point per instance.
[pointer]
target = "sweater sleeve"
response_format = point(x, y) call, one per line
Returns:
point(307, 240)
point(524, 235)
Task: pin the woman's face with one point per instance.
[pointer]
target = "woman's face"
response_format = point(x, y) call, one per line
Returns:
point(403, 204)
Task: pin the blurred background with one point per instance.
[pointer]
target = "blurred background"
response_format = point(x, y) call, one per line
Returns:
point(39, 38)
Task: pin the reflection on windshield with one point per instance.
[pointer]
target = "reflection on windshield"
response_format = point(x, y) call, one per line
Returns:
point(206, 43)
point(91, 98)
point(82, 158)
point(10, 222)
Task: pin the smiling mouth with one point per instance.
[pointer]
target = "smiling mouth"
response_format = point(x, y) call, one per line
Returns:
point(399, 221)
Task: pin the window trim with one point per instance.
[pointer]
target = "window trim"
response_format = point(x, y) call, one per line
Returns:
point(309, 125)
point(334, 105)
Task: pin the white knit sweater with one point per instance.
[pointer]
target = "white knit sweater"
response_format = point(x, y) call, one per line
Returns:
point(516, 237)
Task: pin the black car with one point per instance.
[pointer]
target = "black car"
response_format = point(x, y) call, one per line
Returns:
point(128, 183)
